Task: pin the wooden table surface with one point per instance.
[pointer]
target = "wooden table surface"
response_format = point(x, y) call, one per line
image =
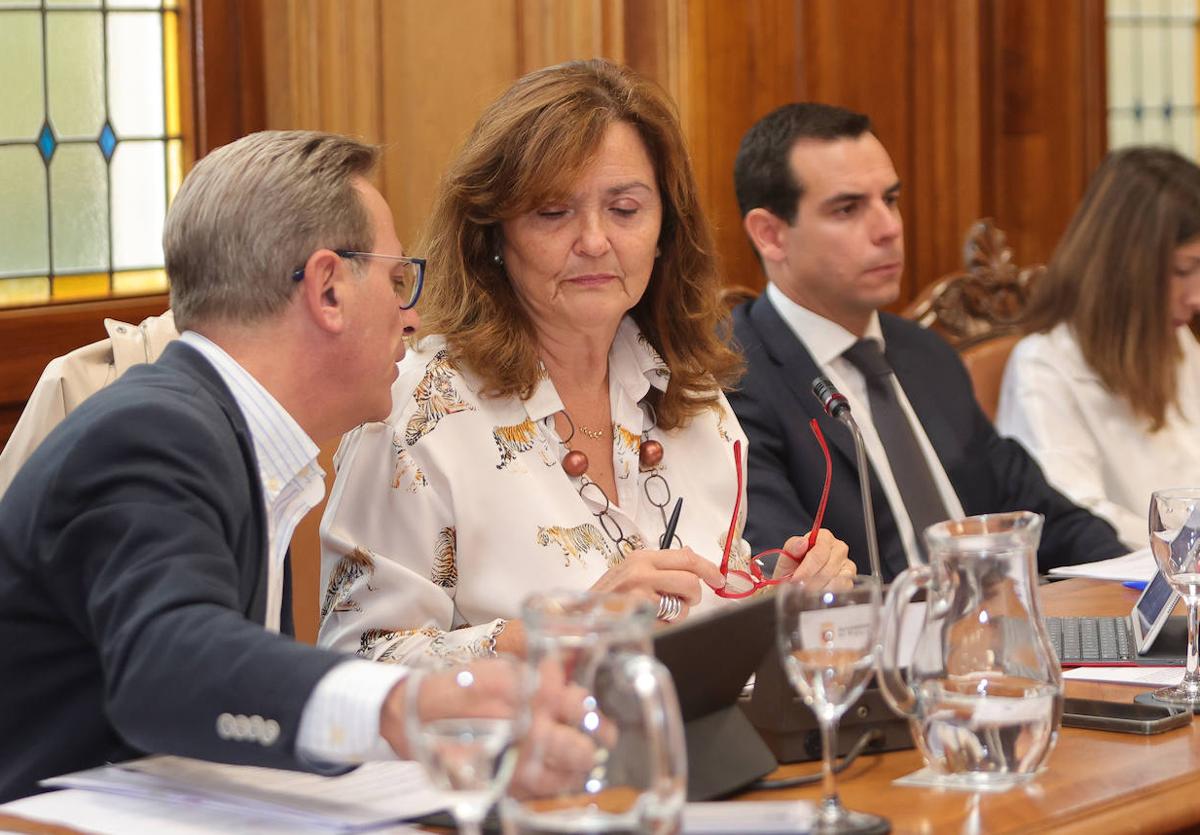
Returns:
point(1096, 782)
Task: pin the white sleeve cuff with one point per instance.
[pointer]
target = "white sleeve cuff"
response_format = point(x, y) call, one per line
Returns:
point(340, 722)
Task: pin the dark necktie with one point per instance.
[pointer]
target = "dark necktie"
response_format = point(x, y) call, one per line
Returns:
point(909, 466)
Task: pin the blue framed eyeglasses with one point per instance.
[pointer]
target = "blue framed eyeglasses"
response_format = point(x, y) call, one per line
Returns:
point(408, 274)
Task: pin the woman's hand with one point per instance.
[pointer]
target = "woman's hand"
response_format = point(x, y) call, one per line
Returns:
point(827, 559)
point(649, 574)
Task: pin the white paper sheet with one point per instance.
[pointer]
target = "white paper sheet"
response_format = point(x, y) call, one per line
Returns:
point(749, 818)
point(109, 814)
point(1138, 565)
point(1126, 675)
point(374, 794)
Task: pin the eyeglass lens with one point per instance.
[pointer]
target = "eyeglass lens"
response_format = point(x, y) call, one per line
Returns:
point(405, 280)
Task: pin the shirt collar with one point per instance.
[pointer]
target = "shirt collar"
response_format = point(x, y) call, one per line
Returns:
point(825, 340)
point(633, 365)
point(284, 451)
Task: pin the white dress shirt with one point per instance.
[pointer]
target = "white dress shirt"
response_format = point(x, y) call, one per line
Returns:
point(340, 722)
point(826, 341)
point(1088, 441)
point(446, 516)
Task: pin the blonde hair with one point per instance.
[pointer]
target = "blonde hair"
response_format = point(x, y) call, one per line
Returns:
point(1109, 277)
point(528, 147)
point(252, 212)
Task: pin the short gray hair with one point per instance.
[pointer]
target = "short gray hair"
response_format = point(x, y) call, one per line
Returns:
point(251, 212)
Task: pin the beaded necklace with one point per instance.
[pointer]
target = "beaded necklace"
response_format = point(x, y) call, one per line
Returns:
point(656, 487)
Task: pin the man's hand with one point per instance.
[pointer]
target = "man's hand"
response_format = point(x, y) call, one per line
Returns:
point(558, 753)
point(555, 752)
point(495, 693)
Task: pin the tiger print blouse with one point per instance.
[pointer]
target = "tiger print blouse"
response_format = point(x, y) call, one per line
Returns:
point(446, 516)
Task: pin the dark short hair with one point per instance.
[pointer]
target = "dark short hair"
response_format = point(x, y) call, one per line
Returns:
point(762, 177)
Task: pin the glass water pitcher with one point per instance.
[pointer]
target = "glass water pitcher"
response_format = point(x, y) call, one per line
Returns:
point(983, 689)
point(622, 701)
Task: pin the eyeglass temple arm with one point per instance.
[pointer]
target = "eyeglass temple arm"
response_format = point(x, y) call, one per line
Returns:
point(820, 517)
point(737, 507)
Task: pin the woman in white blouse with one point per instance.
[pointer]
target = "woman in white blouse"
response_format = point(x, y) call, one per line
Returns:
point(570, 395)
point(1105, 388)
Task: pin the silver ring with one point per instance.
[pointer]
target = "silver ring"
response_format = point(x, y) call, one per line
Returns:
point(669, 607)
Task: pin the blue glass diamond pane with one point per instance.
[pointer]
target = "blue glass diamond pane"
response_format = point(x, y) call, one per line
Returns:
point(46, 142)
point(108, 141)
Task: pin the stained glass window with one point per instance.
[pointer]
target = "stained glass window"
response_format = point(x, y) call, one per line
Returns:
point(1152, 71)
point(90, 147)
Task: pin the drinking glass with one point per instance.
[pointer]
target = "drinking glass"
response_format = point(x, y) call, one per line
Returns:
point(828, 637)
point(470, 755)
point(1175, 541)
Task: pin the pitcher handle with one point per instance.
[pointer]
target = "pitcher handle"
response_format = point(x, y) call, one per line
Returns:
point(891, 678)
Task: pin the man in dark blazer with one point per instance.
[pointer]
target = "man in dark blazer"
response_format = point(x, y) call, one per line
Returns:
point(143, 547)
point(819, 199)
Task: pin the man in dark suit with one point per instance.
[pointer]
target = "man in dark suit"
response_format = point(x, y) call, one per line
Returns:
point(819, 198)
point(143, 547)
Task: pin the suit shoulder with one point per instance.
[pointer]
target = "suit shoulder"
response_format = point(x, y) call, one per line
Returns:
point(904, 332)
point(153, 390)
point(740, 316)
point(147, 412)
point(744, 332)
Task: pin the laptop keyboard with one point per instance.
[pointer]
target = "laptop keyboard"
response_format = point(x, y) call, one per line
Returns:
point(1091, 640)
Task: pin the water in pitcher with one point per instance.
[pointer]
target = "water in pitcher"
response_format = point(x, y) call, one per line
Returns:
point(986, 725)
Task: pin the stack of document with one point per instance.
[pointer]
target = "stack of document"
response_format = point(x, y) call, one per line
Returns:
point(213, 797)
point(1138, 566)
point(179, 796)
point(1144, 676)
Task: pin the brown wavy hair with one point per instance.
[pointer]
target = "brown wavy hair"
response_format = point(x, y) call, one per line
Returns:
point(527, 149)
point(1109, 276)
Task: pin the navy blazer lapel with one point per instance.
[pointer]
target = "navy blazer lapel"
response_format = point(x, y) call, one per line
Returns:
point(181, 357)
point(798, 369)
point(187, 360)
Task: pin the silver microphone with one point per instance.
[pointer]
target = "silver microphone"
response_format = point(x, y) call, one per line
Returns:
point(837, 407)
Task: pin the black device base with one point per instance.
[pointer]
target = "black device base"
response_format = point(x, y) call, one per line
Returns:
point(790, 728)
point(1148, 699)
point(801, 740)
point(725, 754)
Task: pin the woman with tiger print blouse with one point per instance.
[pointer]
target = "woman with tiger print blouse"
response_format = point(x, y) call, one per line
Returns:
point(574, 391)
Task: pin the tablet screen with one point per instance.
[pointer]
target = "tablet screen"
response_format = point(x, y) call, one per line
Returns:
point(1152, 610)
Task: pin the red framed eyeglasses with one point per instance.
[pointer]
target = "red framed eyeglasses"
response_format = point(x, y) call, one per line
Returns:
point(738, 583)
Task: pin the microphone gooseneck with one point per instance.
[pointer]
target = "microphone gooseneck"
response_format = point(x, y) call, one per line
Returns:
point(837, 407)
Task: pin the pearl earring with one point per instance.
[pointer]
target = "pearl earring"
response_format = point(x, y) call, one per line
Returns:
point(498, 260)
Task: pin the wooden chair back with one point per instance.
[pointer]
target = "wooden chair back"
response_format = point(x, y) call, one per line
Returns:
point(977, 310)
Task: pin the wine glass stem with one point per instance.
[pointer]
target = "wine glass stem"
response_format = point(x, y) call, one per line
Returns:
point(1191, 678)
point(830, 805)
point(468, 825)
